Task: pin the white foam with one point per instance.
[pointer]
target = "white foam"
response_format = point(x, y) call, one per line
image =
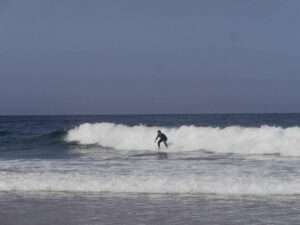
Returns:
point(234, 139)
point(188, 184)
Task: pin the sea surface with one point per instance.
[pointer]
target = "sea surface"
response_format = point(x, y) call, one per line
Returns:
point(218, 169)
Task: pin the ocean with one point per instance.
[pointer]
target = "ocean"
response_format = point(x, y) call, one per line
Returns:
point(106, 169)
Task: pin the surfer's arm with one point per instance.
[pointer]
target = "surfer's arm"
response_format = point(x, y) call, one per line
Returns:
point(156, 138)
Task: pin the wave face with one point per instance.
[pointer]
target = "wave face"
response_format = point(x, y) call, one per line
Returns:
point(233, 139)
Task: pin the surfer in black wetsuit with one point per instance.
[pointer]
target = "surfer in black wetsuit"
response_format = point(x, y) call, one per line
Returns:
point(162, 138)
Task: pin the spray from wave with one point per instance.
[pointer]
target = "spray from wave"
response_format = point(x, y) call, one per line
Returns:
point(234, 139)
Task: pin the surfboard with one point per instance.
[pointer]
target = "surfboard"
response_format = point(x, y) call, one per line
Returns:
point(159, 155)
point(162, 155)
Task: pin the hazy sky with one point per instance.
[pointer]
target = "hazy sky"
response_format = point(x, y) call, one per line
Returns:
point(149, 56)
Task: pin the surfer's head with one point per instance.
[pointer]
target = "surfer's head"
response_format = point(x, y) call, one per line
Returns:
point(159, 131)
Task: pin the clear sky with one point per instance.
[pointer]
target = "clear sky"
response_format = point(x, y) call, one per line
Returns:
point(141, 56)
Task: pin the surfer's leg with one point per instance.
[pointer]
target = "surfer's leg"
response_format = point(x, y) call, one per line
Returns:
point(158, 143)
point(165, 142)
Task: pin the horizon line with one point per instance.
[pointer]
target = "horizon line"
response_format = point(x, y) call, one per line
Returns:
point(150, 114)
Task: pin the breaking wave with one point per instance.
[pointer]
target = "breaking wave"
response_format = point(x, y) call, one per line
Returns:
point(188, 184)
point(233, 139)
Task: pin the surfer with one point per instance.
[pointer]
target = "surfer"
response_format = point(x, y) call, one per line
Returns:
point(162, 138)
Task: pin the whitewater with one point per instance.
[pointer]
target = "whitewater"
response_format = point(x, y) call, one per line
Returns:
point(232, 139)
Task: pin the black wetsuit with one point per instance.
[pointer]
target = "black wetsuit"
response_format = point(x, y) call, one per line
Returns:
point(162, 138)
